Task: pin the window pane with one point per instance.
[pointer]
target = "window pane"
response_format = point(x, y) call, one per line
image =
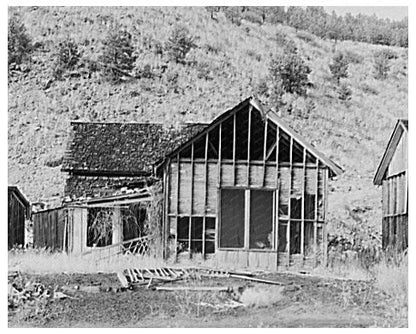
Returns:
point(232, 218)
point(261, 219)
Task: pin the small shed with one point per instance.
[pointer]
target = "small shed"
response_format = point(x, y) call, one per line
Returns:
point(18, 212)
point(392, 175)
point(248, 191)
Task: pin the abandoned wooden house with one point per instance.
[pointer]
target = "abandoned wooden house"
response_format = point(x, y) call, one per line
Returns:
point(109, 166)
point(245, 187)
point(392, 175)
point(18, 212)
point(248, 189)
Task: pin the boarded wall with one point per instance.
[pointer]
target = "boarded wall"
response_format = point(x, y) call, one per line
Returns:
point(49, 229)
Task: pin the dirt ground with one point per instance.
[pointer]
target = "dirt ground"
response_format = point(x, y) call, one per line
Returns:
point(97, 300)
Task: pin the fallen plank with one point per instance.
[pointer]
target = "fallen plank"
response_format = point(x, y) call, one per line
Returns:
point(259, 280)
point(193, 288)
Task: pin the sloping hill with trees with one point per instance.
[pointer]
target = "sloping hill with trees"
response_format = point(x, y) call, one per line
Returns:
point(190, 64)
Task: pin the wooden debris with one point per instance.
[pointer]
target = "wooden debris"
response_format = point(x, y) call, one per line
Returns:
point(193, 288)
point(259, 280)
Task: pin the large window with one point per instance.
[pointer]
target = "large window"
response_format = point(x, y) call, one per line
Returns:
point(237, 205)
point(261, 219)
point(232, 218)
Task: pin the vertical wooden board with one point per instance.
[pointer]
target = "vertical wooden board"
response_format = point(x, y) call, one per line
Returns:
point(199, 188)
point(242, 258)
point(310, 182)
point(173, 184)
point(284, 188)
point(241, 174)
point(321, 174)
point(77, 231)
point(256, 175)
point(227, 175)
point(384, 199)
point(212, 191)
point(297, 179)
point(270, 177)
point(185, 184)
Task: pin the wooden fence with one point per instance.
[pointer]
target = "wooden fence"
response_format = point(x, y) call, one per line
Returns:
point(49, 229)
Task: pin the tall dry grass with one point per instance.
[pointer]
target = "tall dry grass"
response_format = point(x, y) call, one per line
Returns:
point(391, 277)
point(45, 262)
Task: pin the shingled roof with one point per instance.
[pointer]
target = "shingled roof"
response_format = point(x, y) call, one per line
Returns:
point(122, 148)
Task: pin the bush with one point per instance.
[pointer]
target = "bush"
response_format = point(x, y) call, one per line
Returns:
point(291, 71)
point(381, 65)
point(305, 36)
point(344, 92)
point(339, 67)
point(117, 58)
point(179, 44)
point(66, 58)
point(352, 57)
point(19, 43)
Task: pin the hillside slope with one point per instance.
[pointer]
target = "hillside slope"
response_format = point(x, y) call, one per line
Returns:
point(227, 65)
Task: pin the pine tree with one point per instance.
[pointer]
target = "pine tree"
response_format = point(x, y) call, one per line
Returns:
point(339, 66)
point(118, 57)
point(179, 44)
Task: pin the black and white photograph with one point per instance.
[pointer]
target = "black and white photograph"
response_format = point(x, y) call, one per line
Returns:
point(199, 166)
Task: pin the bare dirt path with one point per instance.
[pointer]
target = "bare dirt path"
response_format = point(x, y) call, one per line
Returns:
point(301, 302)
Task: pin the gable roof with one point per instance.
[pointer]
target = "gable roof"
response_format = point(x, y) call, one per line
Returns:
point(400, 127)
point(20, 195)
point(272, 116)
point(125, 149)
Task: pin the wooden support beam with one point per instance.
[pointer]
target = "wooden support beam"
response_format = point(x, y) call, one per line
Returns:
point(250, 110)
point(234, 145)
point(277, 197)
point(406, 192)
point(219, 157)
point(177, 204)
point(325, 236)
point(302, 207)
point(270, 151)
point(247, 220)
point(315, 223)
point(289, 196)
point(205, 194)
point(191, 201)
point(264, 152)
point(213, 148)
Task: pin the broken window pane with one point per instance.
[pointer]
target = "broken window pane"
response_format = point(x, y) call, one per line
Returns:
point(295, 230)
point(282, 241)
point(261, 219)
point(99, 227)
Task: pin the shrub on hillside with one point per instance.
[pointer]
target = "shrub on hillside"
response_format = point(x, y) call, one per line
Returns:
point(344, 92)
point(179, 44)
point(291, 71)
point(353, 57)
point(252, 17)
point(382, 63)
point(305, 36)
point(19, 42)
point(339, 67)
point(66, 57)
point(117, 58)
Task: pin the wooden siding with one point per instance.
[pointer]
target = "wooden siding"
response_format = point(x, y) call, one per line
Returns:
point(49, 229)
point(17, 211)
